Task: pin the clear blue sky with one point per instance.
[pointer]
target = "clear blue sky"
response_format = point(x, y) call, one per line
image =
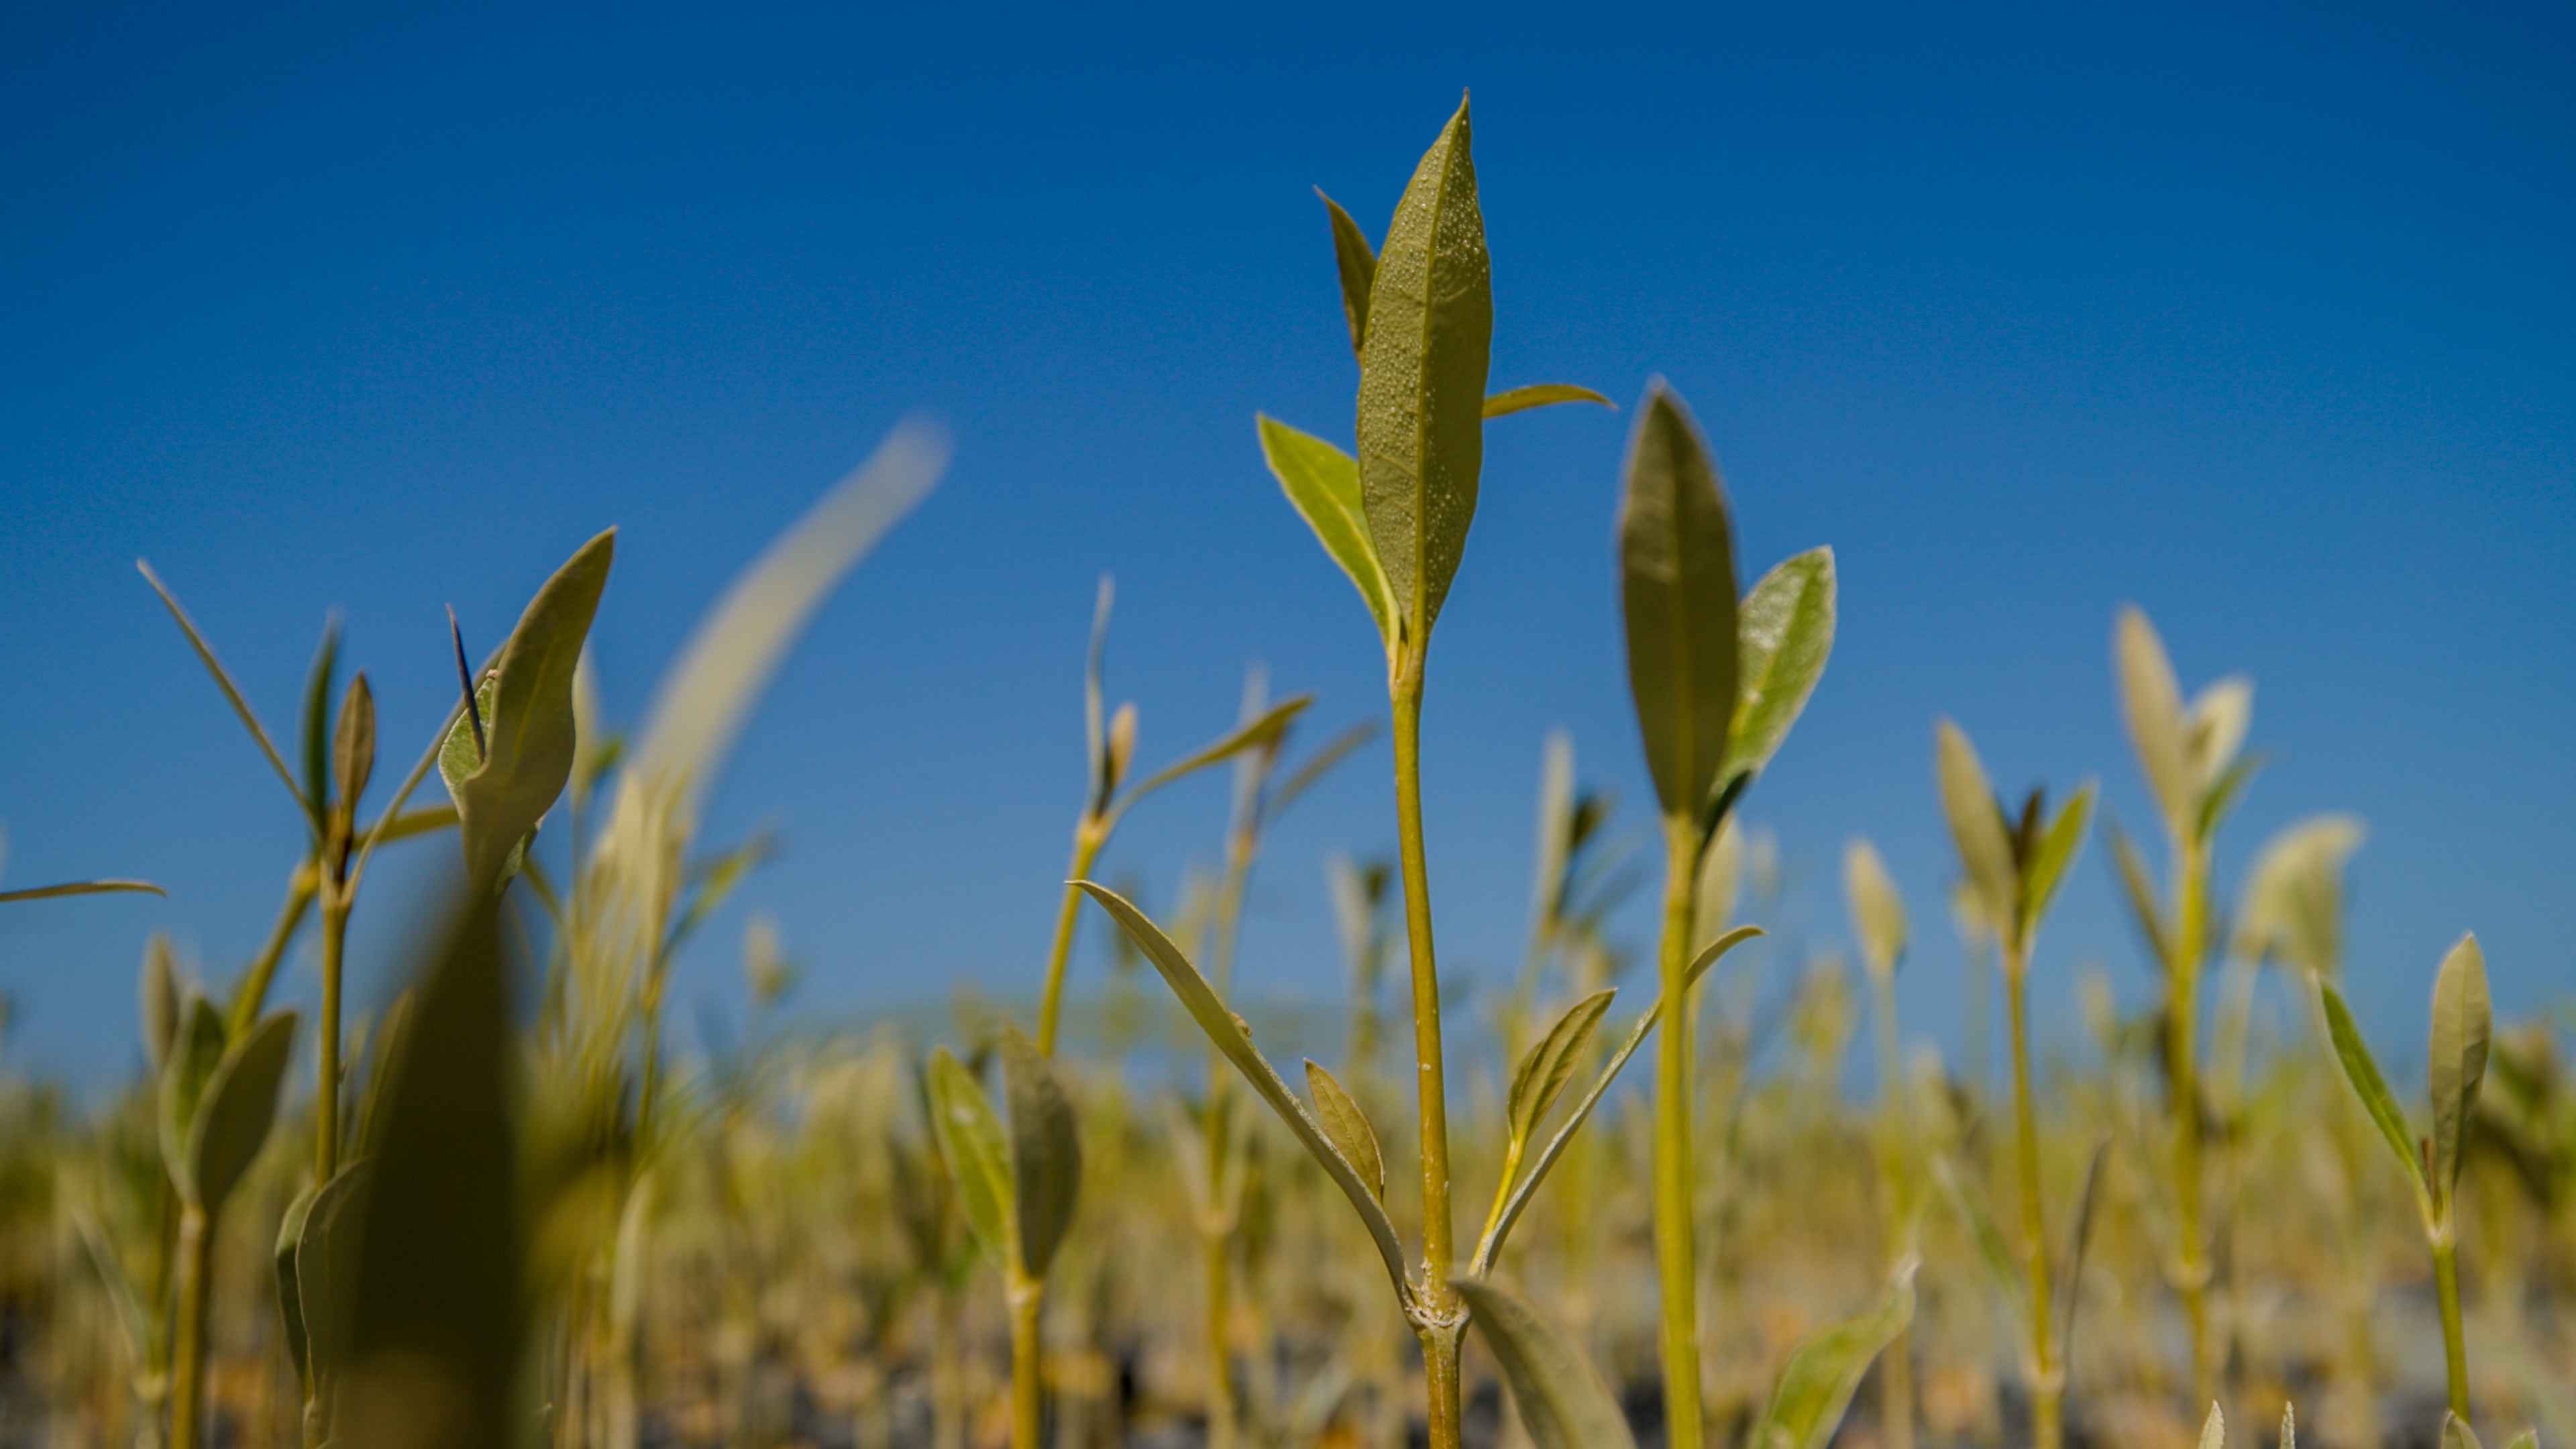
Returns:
point(2258, 317)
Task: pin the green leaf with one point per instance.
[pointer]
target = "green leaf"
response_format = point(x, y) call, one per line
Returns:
point(1562, 1401)
point(2151, 705)
point(317, 716)
point(392, 1030)
point(353, 747)
point(1260, 734)
point(2070, 1288)
point(1323, 485)
point(1490, 1250)
point(2221, 794)
point(1232, 1038)
point(2463, 1021)
point(1046, 1151)
point(2219, 717)
point(1423, 363)
point(236, 1112)
point(83, 888)
point(2140, 888)
point(2293, 900)
point(2456, 1434)
point(1315, 766)
point(1550, 1062)
point(1982, 1230)
point(1541, 395)
point(972, 1143)
point(195, 1053)
point(2527, 1439)
point(233, 696)
point(290, 1298)
point(1817, 1384)
point(161, 1003)
point(1347, 1126)
point(1786, 629)
point(1877, 911)
point(1677, 596)
point(1975, 825)
point(326, 1265)
point(2047, 868)
point(2289, 1427)
point(1357, 265)
point(2213, 1430)
point(2363, 1073)
point(528, 727)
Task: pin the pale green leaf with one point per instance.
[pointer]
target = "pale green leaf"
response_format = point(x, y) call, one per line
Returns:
point(84, 888)
point(1323, 484)
point(1230, 1036)
point(2213, 1430)
point(1348, 1127)
point(1786, 630)
point(1562, 1401)
point(2367, 1084)
point(2151, 706)
point(241, 707)
point(2219, 717)
point(195, 1052)
point(1541, 395)
point(1877, 911)
point(2140, 889)
point(161, 1000)
point(1423, 364)
point(1357, 265)
point(1976, 826)
point(1046, 1151)
point(1263, 733)
point(972, 1143)
point(236, 1112)
point(2456, 1434)
point(2293, 899)
point(1817, 1383)
point(2463, 1020)
point(2046, 870)
point(1550, 1062)
point(1678, 600)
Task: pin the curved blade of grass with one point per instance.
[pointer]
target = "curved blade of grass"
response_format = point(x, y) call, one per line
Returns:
point(1232, 1038)
point(1046, 1151)
point(1969, 802)
point(1261, 733)
point(2070, 1288)
point(1816, 1385)
point(1356, 263)
point(1785, 631)
point(1562, 1401)
point(2353, 1054)
point(1348, 1126)
point(2463, 1020)
point(971, 1141)
point(1490, 1250)
point(1423, 362)
point(1678, 602)
point(83, 888)
point(233, 696)
point(1541, 395)
point(1323, 484)
point(2057, 849)
point(529, 731)
point(704, 700)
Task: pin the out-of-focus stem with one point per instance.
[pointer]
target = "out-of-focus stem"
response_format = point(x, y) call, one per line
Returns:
point(1028, 1387)
point(1442, 1315)
point(1680, 1340)
point(2182, 1030)
point(188, 1348)
point(2047, 1376)
point(326, 1101)
point(255, 982)
point(1896, 1382)
point(1088, 836)
point(2446, 1287)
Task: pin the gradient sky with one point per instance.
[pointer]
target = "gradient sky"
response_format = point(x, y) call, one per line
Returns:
point(2257, 317)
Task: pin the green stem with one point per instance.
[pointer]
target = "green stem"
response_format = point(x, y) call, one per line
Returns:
point(2047, 1378)
point(1896, 1386)
point(2182, 1029)
point(253, 992)
point(1088, 837)
point(1682, 1415)
point(1220, 1401)
point(947, 1375)
point(2446, 1287)
point(1222, 1413)
point(188, 1351)
point(1028, 1389)
point(1442, 1316)
point(326, 1101)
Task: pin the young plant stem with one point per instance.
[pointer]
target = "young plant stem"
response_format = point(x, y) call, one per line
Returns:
point(1027, 1298)
point(2047, 1375)
point(2446, 1287)
point(196, 1264)
point(326, 1101)
point(1218, 1251)
point(1442, 1317)
point(1896, 1384)
point(253, 992)
point(1683, 844)
point(1088, 836)
point(947, 1374)
point(2183, 1068)
point(1241, 845)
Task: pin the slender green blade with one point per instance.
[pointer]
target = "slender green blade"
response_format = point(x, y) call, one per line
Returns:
point(1046, 1151)
point(316, 715)
point(2213, 1430)
point(1817, 1384)
point(2140, 889)
point(160, 1000)
point(1969, 802)
point(1786, 629)
point(233, 695)
point(2456, 1434)
point(2057, 848)
point(1677, 596)
point(238, 1109)
point(1348, 1126)
point(1356, 263)
point(1323, 484)
point(2293, 902)
point(1232, 1038)
point(1550, 1062)
point(2151, 707)
point(529, 741)
point(1877, 911)
point(972, 1143)
point(195, 1053)
point(84, 888)
point(1562, 1401)
point(1423, 363)
point(2367, 1084)
point(2463, 1020)
point(1541, 395)
point(2289, 1427)
point(1261, 733)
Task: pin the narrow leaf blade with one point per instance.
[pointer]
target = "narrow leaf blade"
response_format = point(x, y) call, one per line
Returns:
point(1541, 395)
point(2353, 1054)
point(1678, 601)
point(971, 1141)
point(1323, 484)
point(2463, 1020)
point(1348, 1126)
point(1786, 631)
point(1817, 1384)
point(1356, 264)
point(1969, 802)
point(1046, 1151)
point(1562, 1401)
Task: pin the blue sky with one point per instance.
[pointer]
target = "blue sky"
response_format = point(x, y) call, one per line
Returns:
point(2258, 317)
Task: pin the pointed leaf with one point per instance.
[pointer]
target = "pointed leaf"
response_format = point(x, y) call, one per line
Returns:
point(1323, 484)
point(2218, 720)
point(2151, 705)
point(2289, 1427)
point(326, 1265)
point(1357, 265)
point(238, 1109)
point(1046, 1151)
point(1786, 630)
point(83, 888)
point(290, 1299)
point(1234, 1040)
point(1677, 595)
point(2140, 888)
point(2213, 1430)
point(1262, 733)
point(161, 1004)
point(233, 696)
point(2070, 1291)
point(1969, 801)
point(317, 716)
point(2293, 903)
point(2371, 1088)
point(1817, 1384)
point(1541, 395)
point(2057, 848)
point(2222, 793)
point(1549, 1063)
point(1348, 1126)
point(195, 1053)
point(1423, 362)
point(353, 746)
point(2463, 1020)
point(1877, 911)
point(972, 1143)
point(2456, 1434)
point(1562, 1401)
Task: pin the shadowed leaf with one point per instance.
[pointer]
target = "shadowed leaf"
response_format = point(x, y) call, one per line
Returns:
point(2462, 1023)
point(1323, 484)
point(1357, 265)
point(236, 1112)
point(972, 1143)
point(2057, 848)
point(1562, 1401)
point(1348, 1127)
point(1678, 601)
point(1046, 1151)
point(1817, 1384)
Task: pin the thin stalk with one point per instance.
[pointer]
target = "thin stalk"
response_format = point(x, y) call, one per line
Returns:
point(1220, 1401)
point(947, 1375)
point(326, 1102)
point(1673, 1195)
point(2182, 1029)
point(1027, 1297)
point(253, 992)
point(188, 1350)
point(1896, 1385)
point(2047, 1379)
point(1088, 836)
point(1241, 845)
point(2446, 1287)
point(1441, 1315)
